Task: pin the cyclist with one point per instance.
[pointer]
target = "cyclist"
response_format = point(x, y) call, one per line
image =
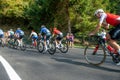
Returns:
point(34, 38)
point(104, 20)
point(19, 34)
point(45, 35)
point(2, 36)
point(59, 36)
point(10, 34)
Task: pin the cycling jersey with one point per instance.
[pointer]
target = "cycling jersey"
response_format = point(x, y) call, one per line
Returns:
point(58, 33)
point(19, 32)
point(34, 35)
point(55, 31)
point(10, 33)
point(113, 20)
point(110, 19)
point(44, 31)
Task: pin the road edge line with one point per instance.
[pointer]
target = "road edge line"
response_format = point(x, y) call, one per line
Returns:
point(10, 71)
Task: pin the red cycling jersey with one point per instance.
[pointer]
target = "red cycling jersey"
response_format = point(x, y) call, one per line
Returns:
point(112, 19)
point(56, 31)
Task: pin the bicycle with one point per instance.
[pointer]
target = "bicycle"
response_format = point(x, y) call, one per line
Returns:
point(63, 46)
point(95, 53)
point(13, 43)
point(50, 45)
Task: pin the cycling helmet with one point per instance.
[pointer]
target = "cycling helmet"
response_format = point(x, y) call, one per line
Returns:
point(11, 29)
point(98, 10)
point(42, 26)
point(18, 28)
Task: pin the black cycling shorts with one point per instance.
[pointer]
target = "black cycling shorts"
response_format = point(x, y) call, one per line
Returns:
point(115, 33)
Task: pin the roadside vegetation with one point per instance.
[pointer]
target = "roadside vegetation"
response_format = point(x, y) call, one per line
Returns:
point(76, 16)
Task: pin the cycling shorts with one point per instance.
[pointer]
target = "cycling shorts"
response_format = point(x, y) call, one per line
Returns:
point(59, 36)
point(115, 33)
point(34, 37)
point(47, 36)
point(1, 35)
point(21, 36)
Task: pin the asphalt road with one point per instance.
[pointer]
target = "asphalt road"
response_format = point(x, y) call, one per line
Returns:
point(32, 65)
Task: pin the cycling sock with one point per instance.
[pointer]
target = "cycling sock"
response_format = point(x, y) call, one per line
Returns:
point(118, 51)
point(46, 47)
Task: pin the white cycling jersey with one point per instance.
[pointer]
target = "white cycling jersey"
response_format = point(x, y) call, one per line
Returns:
point(34, 34)
point(10, 33)
point(103, 18)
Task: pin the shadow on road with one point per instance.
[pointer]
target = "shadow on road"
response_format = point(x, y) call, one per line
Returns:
point(86, 65)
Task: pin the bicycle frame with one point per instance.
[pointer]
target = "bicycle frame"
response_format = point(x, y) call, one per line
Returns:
point(107, 48)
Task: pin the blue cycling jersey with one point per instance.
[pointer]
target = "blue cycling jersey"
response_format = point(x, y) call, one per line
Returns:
point(44, 31)
point(20, 32)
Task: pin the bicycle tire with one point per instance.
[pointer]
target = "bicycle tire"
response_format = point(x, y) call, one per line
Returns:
point(52, 48)
point(16, 44)
point(40, 46)
point(94, 58)
point(23, 47)
point(64, 47)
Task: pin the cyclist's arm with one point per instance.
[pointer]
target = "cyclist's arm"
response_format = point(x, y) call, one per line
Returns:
point(101, 21)
point(96, 29)
point(30, 36)
point(105, 25)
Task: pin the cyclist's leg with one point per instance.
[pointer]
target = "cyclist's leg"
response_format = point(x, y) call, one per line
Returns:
point(60, 39)
point(35, 41)
point(48, 38)
point(45, 45)
point(57, 41)
point(112, 37)
point(95, 50)
point(20, 40)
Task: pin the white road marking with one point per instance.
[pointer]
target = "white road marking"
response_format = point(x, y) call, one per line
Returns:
point(10, 71)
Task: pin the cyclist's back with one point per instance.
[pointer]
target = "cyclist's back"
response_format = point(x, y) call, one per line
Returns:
point(58, 33)
point(19, 33)
point(44, 31)
point(10, 33)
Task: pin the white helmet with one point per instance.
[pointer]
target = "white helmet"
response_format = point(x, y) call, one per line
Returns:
point(98, 10)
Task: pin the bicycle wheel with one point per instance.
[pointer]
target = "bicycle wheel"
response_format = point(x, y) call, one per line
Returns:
point(95, 54)
point(10, 43)
point(40, 46)
point(52, 48)
point(16, 44)
point(23, 47)
point(63, 47)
